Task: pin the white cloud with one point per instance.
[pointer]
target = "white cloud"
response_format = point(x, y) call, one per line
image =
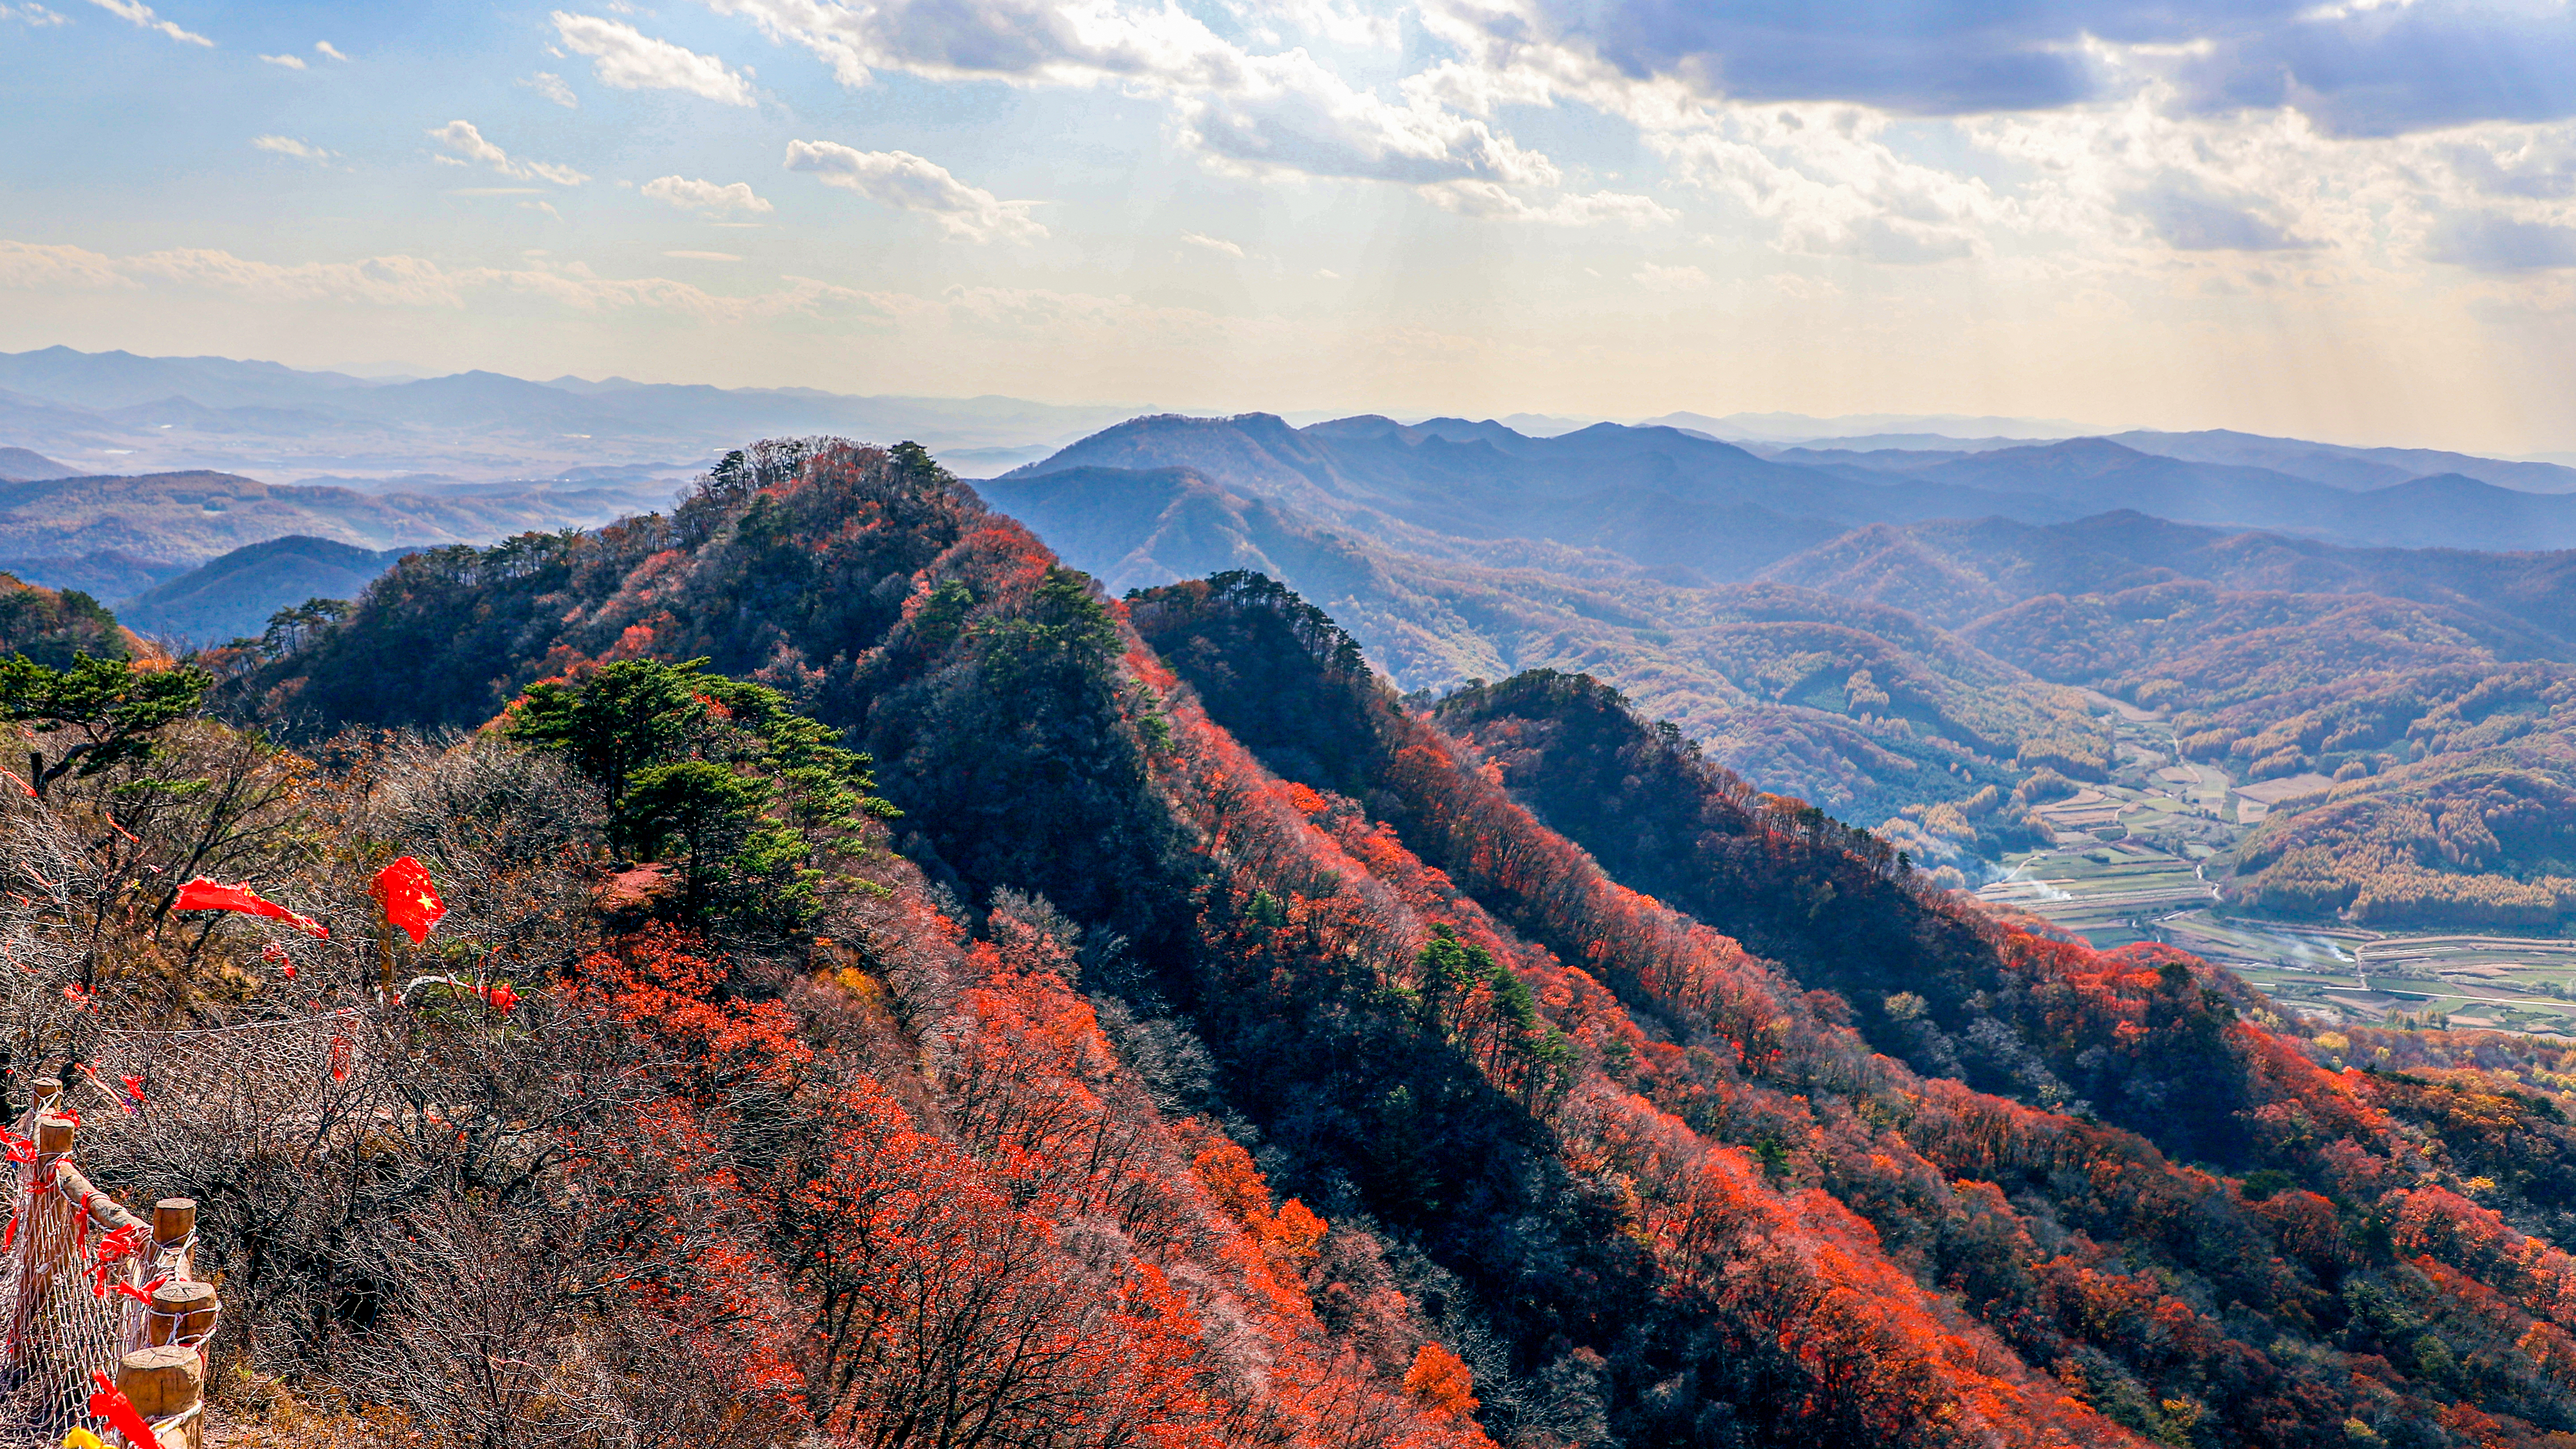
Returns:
point(1341, 22)
point(1289, 113)
point(34, 16)
point(705, 197)
point(289, 146)
point(1214, 244)
point(291, 62)
point(26, 266)
point(1671, 279)
point(1285, 113)
point(704, 256)
point(901, 179)
point(327, 49)
point(141, 15)
point(469, 146)
point(630, 60)
point(552, 87)
point(1486, 201)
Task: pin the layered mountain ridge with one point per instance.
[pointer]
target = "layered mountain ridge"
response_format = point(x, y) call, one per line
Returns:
point(1672, 1111)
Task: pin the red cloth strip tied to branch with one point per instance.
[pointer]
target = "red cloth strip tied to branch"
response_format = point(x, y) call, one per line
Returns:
point(410, 900)
point(202, 894)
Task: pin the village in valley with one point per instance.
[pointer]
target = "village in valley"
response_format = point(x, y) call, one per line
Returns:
point(2144, 855)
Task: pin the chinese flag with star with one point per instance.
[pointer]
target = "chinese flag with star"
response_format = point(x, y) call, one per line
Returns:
point(410, 901)
point(202, 894)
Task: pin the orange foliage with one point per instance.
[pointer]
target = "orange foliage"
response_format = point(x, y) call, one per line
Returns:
point(1440, 1382)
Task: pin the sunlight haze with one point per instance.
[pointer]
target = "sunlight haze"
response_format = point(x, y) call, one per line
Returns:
point(2353, 222)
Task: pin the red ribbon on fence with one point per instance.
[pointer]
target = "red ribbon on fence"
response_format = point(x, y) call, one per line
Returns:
point(142, 1295)
point(111, 1404)
point(110, 1250)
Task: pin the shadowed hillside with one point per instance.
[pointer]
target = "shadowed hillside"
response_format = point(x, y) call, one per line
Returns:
point(234, 596)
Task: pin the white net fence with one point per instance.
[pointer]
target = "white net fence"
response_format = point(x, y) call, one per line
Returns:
point(79, 1273)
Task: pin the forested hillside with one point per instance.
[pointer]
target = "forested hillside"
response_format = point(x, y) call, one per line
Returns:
point(1925, 677)
point(1259, 1060)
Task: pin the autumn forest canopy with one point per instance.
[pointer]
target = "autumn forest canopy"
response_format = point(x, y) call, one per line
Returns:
point(895, 992)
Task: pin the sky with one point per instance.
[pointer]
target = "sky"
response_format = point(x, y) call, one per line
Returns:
point(2352, 220)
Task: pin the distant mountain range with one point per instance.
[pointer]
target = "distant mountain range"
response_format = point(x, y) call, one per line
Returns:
point(115, 412)
point(1868, 637)
point(116, 537)
point(1703, 509)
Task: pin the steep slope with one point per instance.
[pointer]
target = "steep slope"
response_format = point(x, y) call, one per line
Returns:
point(1658, 1189)
point(2005, 1206)
point(1033, 744)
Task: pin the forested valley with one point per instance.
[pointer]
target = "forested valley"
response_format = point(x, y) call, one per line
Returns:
point(893, 993)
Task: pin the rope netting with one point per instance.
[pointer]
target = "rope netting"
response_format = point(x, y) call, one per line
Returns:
point(78, 1271)
point(257, 1072)
point(77, 1280)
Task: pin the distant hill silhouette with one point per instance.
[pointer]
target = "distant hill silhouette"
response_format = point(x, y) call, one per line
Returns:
point(175, 413)
point(18, 465)
point(1705, 510)
point(187, 518)
point(233, 596)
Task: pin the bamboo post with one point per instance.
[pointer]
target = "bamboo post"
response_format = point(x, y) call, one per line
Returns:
point(174, 1220)
point(164, 1382)
point(182, 1313)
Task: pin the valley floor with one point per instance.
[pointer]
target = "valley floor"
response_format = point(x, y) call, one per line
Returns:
point(2135, 862)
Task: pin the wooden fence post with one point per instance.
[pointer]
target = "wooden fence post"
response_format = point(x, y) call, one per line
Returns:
point(49, 1090)
point(174, 1219)
point(181, 1312)
point(163, 1382)
point(53, 1142)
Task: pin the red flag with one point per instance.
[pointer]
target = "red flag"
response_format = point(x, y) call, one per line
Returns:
point(202, 894)
point(410, 901)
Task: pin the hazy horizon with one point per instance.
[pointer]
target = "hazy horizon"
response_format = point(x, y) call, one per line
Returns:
point(2352, 221)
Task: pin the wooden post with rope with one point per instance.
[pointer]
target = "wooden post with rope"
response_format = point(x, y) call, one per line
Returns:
point(166, 1383)
point(53, 1144)
point(40, 1122)
point(183, 1312)
point(174, 1226)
